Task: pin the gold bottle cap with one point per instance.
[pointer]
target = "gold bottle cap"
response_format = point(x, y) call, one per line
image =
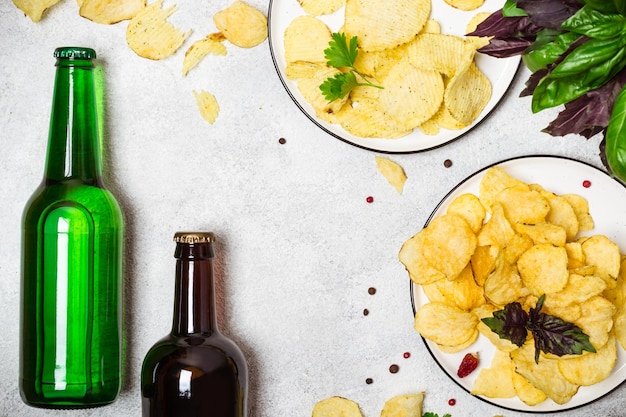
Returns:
point(194, 237)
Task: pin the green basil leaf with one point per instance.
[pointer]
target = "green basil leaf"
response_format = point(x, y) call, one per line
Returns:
point(615, 148)
point(590, 54)
point(547, 49)
point(510, 9)
point(620, 6)
point(603, 6)
point(595, 24)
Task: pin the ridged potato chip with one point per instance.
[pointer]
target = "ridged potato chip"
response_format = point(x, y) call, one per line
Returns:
point(321, 7)
point(108, 12)
point(437, 52)
point(207, 104)
point(151, 36)
point(385, 24)
point(242, 24)
point(392, 171)
point(211, 44)
point(34, 9)
point(305, 39)
point(411, 96)
point(445, 325)
point(477, 41)
point(366, 118)
point(465, 5)
point(467, 93)
point(336, 407)
point(408, 405)
point(310, 89)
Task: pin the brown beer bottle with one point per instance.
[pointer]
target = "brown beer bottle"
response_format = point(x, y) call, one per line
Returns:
point(195, 370)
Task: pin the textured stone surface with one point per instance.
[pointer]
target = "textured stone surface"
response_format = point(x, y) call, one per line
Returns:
point(299, 246)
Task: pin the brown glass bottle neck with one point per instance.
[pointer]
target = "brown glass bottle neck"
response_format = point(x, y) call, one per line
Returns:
point(194, 302)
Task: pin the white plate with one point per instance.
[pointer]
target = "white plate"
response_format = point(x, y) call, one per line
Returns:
point(500, 72)
point(607, 205)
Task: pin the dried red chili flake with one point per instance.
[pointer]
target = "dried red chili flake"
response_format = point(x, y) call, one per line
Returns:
point(468, 365)
point(586, 183)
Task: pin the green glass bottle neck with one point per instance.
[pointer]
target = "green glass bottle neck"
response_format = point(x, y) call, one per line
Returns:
point(194, 300)
point(73, 141)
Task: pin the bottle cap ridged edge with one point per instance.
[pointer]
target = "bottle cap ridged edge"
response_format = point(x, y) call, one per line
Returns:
point(72, 52)
point(194, 237)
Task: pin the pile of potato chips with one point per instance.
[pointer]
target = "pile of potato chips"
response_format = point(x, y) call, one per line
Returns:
point(515, 242)
point(150, 35)
point(430, 79)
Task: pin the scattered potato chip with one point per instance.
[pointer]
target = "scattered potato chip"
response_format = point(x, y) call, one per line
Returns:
point(381, 25)
point(211, 44)
point(108, 12)
point(408, 405)
point(336, 407)
point(207, 104)
point(242, 24)
point(321, 7)
point(34, 9)
point(393, 173)
point(151, 36)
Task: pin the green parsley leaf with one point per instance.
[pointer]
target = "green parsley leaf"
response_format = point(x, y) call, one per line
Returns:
point(429, 414)
point(342, 53)
point(551, 334)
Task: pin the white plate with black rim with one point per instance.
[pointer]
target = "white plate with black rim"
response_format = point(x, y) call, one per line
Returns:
point(500, 71)
point(607, 205)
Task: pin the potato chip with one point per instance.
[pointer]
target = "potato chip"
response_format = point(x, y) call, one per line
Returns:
point(620, 327)
point(366, 118)
point(497, 380)
point(444, 324)
point(504, 284)
point(305, 39)
point(468, 207)
point(477, 41)
point(596, 320)
point(408, 405)
point(465, 5)
point(393, 172)
point(34, 9)
point(462, 292)
point(562, 214)
point(151, 36)
point(544, 375)
point(497, 231)
point(108, 12)
point(412, 257)
point(483, 262)
point(467, 93)
point(581, 208)
point(487, 310)
point(441, 120)
point(579, 289)
point(526, 392)
point(207, 104)
point(601, 252)
point(321, 7)
point(437, 52)
point(523, 205)
point(515, 247)
point(461, 346)
point(242, 24)
point(543, 269)
point(495, 180)
point(590, 368)
point(302, 69)
point(336, 407)
point(211, 44)
point(431, 26)
point(381, 25)
point(543, 232)
point(448, 244)
point(310, 90)
point(411, 96)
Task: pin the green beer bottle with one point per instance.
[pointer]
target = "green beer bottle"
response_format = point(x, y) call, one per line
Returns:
point(72, 230)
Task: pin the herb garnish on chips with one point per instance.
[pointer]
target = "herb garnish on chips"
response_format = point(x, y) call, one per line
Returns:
point(342, 53)
point(551, 334)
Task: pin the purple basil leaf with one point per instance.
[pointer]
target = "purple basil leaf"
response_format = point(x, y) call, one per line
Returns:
point(532, 82)
point(509, 323)
point(588, 114)
point(506, 47)
point(505, 27)
point(549, 13)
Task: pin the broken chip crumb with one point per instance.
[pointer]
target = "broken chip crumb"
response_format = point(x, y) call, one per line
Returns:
point(207, 104)
point(211, 44)
point(151, 36)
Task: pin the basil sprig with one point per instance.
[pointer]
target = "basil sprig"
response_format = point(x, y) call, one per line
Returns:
point(550, 333)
